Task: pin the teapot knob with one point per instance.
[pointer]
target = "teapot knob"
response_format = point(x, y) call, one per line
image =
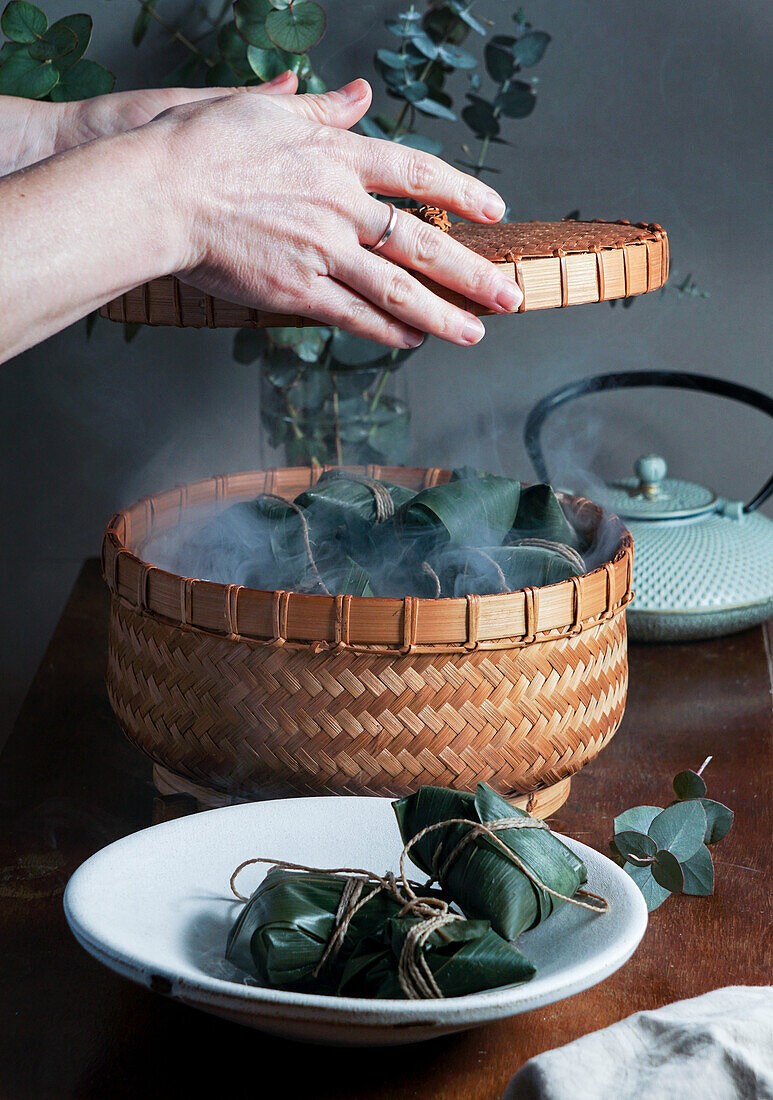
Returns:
point(651, 471)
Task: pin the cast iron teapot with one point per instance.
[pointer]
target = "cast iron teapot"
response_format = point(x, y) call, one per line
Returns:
point(703, 565)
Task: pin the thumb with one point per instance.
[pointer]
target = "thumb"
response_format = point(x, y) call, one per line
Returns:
point(341, 109)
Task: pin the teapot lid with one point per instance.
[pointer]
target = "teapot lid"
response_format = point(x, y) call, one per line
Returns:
point(650, 495)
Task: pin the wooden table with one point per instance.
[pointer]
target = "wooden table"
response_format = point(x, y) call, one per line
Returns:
point(70, 783)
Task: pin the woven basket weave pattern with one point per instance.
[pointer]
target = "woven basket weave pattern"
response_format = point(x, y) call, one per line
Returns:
point(254, 694)
point(270, 722)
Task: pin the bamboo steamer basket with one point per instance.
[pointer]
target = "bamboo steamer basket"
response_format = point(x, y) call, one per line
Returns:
point(238, 694)
point(555, 264)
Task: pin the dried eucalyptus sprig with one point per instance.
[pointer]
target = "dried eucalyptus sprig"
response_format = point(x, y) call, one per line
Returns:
point(665, 850)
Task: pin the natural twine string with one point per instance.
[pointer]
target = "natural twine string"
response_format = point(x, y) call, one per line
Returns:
point(385, 506)
point(305, 530)
point(414, 974)
point(561, 548)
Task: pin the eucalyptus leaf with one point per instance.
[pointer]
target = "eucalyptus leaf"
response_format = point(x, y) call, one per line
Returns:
point(430, 106)
point(350, 350)
point(654, 893)
point(667, 872)
point(456, 58)
point(414, 92)
point(393, 60)
point(371, 128)
point(630, 843)
point(21, 75)
point(638, 819)
point(8, 49)
point(249, 344)
point(81, 26)
point(530, 48)
point(83, 81)
point(462, 10)
point(500, 63)
point(688, 784)
point(266, 64)
point(419, 141)
point(141, 24)
point(698, 872)
point(23, 22)
point(518, 101)
point(480, 117)
point(719, 820)
point(296, 29)
point(58, 41)
point(250, 18)
point(424, 44)
point(680, 829)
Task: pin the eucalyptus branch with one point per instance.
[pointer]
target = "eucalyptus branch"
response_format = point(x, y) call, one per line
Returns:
point(175, 33)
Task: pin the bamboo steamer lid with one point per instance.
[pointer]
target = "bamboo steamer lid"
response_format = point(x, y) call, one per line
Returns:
point(554, 263)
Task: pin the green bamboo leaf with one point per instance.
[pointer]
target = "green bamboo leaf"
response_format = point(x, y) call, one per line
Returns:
point(667, 872)
point(680, 829)
point(688, 784)
point(719, 820)
point(698, 873)
point(250, 18)
point(296, 29)
point(21, 75)
point(485, 571)
point(55, 44)
point(478, 510)
point(541, 516)
point(81, 26)
point(530, 48)
point(654, 894)
point(638, 819)
point(83, 81)
point(630, 843)
point(481, 880)
point(23, 22)
point(464, 957)
point(518, 101)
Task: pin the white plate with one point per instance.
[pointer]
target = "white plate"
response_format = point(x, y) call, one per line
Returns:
point(156, 908)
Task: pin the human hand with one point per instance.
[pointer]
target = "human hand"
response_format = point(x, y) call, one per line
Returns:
point(86, 119)
point(273, 205)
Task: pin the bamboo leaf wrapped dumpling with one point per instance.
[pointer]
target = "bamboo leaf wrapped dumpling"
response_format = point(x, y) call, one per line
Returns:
point(282, 933)
point(464, 956)
point(481, 879)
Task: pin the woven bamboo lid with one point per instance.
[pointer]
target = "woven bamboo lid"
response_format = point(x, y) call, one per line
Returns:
point(554, 263)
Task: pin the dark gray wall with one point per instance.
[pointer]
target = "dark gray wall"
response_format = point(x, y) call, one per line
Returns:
point(658, 111)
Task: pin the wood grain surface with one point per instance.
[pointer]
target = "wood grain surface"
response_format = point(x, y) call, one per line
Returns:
point(70, 783)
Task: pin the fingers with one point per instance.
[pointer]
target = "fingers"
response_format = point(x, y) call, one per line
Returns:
point(341, 109)
point(424, 248)
point(390, 169)
point(394, 291)
point(334, 304)
point(284, 84)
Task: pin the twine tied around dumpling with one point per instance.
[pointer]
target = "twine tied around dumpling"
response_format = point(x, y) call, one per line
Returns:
point(413, 972)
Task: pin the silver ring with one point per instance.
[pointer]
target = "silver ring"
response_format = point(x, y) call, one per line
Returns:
point(388, 231)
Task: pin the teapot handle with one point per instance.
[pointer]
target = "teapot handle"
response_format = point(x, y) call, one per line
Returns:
point(623, 380)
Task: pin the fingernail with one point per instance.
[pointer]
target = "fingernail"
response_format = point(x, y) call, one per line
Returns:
point(493, 207)
point(355, 90)
point(413, 339)
point(473, 331)
point(508, 296)
point(281, 79)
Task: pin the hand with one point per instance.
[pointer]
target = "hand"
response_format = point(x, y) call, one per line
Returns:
point(274, 207)
point(105, 115)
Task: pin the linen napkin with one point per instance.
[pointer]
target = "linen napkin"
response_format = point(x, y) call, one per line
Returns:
point(715, 1047)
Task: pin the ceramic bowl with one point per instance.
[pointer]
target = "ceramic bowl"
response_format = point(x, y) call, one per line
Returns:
point(156, 908)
